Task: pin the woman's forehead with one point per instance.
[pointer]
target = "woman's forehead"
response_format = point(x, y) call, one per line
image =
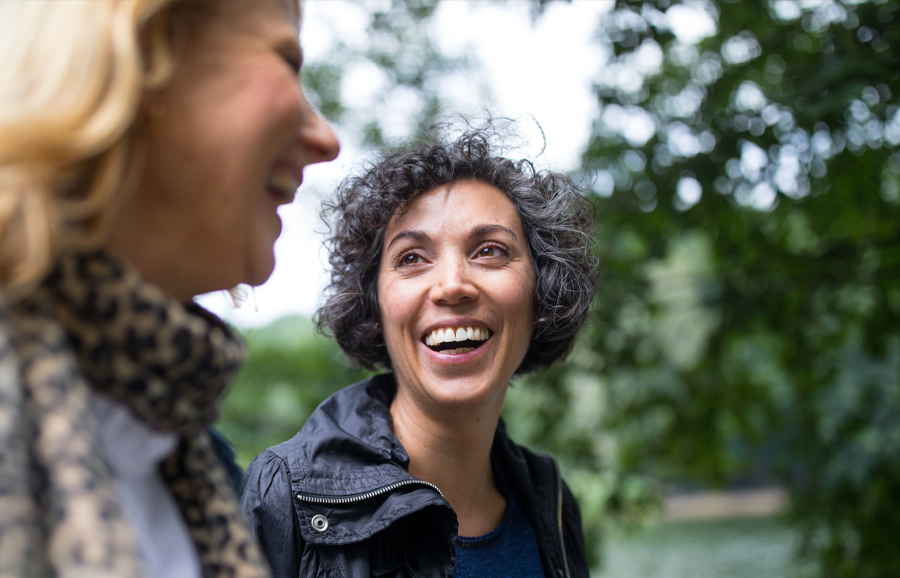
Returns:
point(476, 199)
point(295, 10)
point(285, 11)
point(291, 10)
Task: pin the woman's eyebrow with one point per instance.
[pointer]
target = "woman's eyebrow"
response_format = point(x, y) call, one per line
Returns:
point(482, 230)
point(414, 235)
point(477, 231)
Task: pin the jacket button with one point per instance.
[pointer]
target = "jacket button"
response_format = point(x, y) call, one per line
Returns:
point(319, 523)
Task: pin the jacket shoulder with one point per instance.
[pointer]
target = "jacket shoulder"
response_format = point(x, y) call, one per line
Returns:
point(350, 413)
point(268, 511)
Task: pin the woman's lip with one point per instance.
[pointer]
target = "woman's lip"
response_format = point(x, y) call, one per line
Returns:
point(281, 197)
point(295, 169)
point(457, 359)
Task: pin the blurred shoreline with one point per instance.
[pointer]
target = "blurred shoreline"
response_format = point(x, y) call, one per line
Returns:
point(755, 503)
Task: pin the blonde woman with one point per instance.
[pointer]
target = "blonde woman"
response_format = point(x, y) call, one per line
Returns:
point(145, 146)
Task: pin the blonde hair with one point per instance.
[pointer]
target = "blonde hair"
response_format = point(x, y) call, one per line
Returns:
point(72, 76)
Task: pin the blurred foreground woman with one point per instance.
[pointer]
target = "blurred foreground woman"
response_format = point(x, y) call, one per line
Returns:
point(454, 269)
point(145, 146)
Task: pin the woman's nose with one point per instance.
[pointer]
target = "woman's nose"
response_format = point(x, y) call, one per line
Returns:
point(453, 284)
point(317, 138)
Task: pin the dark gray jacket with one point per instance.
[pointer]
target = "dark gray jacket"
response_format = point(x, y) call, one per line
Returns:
point(337, 499)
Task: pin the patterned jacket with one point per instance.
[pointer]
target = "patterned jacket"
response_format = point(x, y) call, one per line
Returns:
point(95, 325)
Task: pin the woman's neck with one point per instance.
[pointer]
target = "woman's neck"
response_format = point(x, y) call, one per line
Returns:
point(451, 448)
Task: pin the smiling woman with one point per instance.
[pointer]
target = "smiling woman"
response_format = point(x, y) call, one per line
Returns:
point(145, 146)
point(231, 132)
point(455, 269)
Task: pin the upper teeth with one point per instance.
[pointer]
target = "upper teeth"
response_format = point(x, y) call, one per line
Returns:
point(446, 334)
point(282, 181)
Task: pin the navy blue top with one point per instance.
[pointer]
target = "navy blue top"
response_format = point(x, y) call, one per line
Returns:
point(511, 550)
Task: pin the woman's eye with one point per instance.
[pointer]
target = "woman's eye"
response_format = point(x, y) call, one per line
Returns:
point(293, 63)
point(409, 259)
point(490, 251)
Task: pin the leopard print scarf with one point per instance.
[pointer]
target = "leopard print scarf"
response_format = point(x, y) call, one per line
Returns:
point(95, 324)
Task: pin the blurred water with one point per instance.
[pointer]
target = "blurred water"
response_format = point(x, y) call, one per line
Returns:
point(742, 548)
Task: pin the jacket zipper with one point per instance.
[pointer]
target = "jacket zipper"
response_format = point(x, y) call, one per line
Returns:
point(391, 487)
point(366, 495)
point(559, 509)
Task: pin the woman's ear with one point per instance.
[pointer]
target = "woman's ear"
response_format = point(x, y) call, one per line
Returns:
point(158, 40)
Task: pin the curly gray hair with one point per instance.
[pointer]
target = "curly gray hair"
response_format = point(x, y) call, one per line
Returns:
point(558, 222)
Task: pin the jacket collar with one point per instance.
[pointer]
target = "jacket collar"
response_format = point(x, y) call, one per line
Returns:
point(347, 465)
point(535, 480)
point(169, 362)
point(93, 323)
point(348, 446)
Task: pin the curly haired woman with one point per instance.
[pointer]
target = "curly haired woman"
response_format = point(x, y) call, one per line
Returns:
point(454, 269)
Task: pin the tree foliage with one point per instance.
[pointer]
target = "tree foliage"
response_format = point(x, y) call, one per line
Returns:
point(401, 66)
point(748, 322)
point(288, 372)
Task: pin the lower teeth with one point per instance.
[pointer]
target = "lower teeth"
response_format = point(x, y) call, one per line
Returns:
point(458, 351)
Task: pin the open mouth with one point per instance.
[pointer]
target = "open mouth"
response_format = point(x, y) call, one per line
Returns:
point(456, 340)
point(282, 184)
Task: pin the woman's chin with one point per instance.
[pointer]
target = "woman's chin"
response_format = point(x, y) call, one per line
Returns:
point(258, 271)
point(464, 396)
point(464, 392)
